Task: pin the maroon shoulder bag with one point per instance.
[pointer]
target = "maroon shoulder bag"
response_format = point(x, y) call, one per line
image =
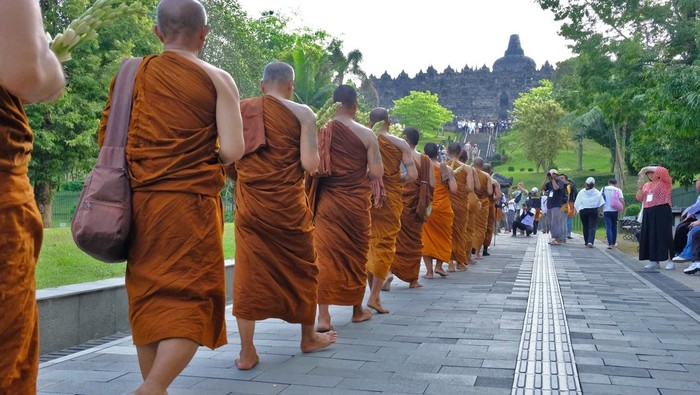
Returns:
point(102, 218)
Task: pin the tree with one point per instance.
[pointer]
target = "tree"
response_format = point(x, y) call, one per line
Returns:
point(65, 131)
point(422, 110)
point(537, 125)
point(349, 64)
point(312, 73)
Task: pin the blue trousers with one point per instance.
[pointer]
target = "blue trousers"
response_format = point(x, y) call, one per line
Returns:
point(610, 218)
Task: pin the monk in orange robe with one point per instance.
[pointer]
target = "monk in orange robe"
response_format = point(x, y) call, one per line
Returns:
point(275, 273)
point(185, 122)
point(437, 232)
point(417, 198)
point(460, 207)
point(474, 205)
point(340, 196)
point(493, 217)
point(29, 73)
point(485, 193)
point(386, 219)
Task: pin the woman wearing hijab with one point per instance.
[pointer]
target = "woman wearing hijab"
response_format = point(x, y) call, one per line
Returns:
point(587, 204)
point(656, 242)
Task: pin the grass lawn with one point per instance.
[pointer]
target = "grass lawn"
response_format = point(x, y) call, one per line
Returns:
point(62, 263)
point(595, 157)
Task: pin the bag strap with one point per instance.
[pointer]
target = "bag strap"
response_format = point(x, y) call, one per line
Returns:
point(120, 108)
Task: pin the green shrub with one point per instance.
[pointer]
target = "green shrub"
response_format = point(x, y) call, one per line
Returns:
point(529, 170)
point(591, 170)
point(633, 210)
point(511, 168)
point(522, 169)
point(74, 186)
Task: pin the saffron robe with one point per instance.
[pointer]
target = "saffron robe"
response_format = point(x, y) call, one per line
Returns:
point(386, 220)
point(175, 266)
point(409, 243)
point(460, 207)
point(482, 215)
point(341, 206)
point(275, 275)
point(21, 234)
point(437, 231)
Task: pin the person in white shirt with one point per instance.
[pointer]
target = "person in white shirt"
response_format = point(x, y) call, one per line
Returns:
point(610, 215)
point(587, 204)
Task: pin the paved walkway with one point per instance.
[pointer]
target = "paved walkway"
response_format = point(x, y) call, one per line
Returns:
point(528, 319)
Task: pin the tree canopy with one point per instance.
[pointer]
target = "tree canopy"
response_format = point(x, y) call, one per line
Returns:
point(422, 110)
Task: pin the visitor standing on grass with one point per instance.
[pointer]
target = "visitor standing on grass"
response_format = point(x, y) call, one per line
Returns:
point(587, 204)
point(29, 73)
point(610, 214)
point(656, 242)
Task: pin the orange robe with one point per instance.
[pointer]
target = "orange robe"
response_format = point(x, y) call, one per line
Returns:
point(490, 223)
point(409, 243)
point(175, 266)
point(386, 220)
point(482, 215)
point(21, 234)
point(460, 207)
point(341, 205)
point(275, 273)
point(474, 205)
point(437, 231)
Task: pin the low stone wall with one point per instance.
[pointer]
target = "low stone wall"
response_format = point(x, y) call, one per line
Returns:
point(74, 314)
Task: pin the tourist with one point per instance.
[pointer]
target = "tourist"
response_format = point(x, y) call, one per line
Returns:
point(525, 221)
point(536, 203)
point(29, 73)
point(656, 244)
point(694, 241)
point(587, 204)
point(175, 267)
point(386, 219)
point(569, 199)
point(340, 196)
point(417, 200)
point(688, 215)
point(275, 275)
point(437, 232)
point(610, 214)
point(553, 186)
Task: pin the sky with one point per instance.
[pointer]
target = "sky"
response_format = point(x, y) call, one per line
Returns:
point(396, 35)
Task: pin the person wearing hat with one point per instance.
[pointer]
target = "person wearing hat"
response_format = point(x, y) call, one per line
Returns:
point(536, 203)
point(656, 240)
point(587, 204)
point(554, 189)
point(610, 214)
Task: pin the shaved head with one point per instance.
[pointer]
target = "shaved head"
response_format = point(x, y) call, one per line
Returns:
point(454, 148)
point(478, 162)
point(487, 168)
point(346, 95)
point(278, 73)
point(180, 17)
point(379, 114)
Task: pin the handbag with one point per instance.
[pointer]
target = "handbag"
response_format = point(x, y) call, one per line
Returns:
point(617, 203)
point(102, 219)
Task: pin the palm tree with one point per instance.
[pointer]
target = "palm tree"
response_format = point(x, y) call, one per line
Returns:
point(313, 74)
point(344, 65)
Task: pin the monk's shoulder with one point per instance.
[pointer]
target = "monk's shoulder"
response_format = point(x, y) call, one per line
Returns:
point(363, 133)
point(399, 143)
point(303, 113)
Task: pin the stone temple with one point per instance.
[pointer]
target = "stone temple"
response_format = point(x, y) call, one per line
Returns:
point(478, 94)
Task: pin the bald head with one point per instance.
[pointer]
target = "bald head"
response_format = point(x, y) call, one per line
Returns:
point(180, 18)
point(278, 73)
point(379, 114)
point(346, 95)
point(478, 162)
point(487, 168)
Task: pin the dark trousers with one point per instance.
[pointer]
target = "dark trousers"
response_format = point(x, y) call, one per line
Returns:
point(518, 225)
point(681, 236)
point(589, 220)
point(611, 226)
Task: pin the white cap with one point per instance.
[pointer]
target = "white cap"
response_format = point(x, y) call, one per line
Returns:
point(590, 180)
point(534, 190)
point(554, 171)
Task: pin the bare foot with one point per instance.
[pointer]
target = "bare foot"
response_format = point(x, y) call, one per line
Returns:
point(428, 276)
point(377, 306)
point(415, 284)
point(318, 341)
point(247, 361)
point(478, 257)
point(365, 315)
point(324, 329)
point(451, 267)
point(441, 273)
point(387, 283)
point(461, 267)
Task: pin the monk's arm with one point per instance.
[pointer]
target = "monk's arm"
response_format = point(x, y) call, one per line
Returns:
point(229, 123)
point(309, 140)
point(28, 68)
point(374, 159)
point(408, 163)
point(470, 179)
point(497, 191)
point(452, 183)
point(489, 187)
point(431, 177)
